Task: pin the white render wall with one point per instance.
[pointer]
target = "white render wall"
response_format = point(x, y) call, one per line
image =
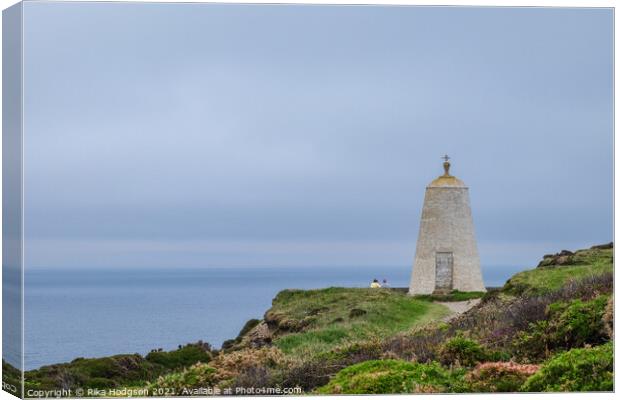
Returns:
point(446, 226)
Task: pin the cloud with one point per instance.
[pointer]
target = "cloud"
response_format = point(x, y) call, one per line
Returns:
point(310, 125)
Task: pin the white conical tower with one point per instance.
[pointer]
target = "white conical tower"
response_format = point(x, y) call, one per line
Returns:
point(446, 256)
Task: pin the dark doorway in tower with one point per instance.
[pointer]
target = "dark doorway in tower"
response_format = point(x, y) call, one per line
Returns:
point(443, 272)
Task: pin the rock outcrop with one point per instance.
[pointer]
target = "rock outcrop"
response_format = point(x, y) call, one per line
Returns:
point(565, 257)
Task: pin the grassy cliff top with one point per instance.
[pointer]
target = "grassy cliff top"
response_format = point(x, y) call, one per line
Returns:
point(315, 321)
point(555, 270)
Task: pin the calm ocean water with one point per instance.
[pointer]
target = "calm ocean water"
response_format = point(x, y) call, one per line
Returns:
point(94, 313)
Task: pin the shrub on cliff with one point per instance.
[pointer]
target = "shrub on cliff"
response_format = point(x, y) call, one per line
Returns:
point(353, 352)
point(608, 318)
point(230, 365)
point(497, 377)
point(118, 370)
point(104, 372)
point(257, 367)
point(197, 376)
point(499, 318)
point(12, 378)
point(388, 376)
point(578, 323)
point(587, 369)
point(421, 345)
point(312, 372)
point(568, 325)
point(183, 357)
point(308, 374)
point(466, 352)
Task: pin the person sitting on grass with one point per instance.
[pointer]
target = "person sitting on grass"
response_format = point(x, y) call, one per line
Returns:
point(375, 284)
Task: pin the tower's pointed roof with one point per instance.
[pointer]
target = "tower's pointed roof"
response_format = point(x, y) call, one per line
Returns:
point(447, 180)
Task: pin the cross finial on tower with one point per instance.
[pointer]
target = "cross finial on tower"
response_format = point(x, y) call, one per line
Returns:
point(446, 165)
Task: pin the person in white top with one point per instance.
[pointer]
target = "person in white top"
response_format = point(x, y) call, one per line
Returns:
point(375, 284)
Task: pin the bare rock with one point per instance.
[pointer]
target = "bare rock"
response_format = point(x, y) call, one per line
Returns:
point(260, 335)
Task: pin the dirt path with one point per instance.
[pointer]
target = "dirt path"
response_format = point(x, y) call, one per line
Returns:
point(458, 307)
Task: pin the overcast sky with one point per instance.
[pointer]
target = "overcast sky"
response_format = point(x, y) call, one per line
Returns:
point(197, 135)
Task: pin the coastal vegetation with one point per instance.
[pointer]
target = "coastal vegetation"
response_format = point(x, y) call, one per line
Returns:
point(454, 295)
point(580, 369)
point(547, 277)
point(11, 378)
point(546, 329)
point(308, 323)
point(389, 376)
point(115, 371)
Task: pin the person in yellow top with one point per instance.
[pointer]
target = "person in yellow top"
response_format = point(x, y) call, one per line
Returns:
point(375, 284)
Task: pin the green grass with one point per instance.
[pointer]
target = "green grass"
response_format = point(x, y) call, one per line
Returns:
point(329, 320)
point(388, 377)
point(548, 279)
point(455, 295)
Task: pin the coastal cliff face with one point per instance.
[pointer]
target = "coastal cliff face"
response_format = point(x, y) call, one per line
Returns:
point(547, 329)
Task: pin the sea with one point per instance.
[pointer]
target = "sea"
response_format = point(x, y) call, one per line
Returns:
point(101, 312)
